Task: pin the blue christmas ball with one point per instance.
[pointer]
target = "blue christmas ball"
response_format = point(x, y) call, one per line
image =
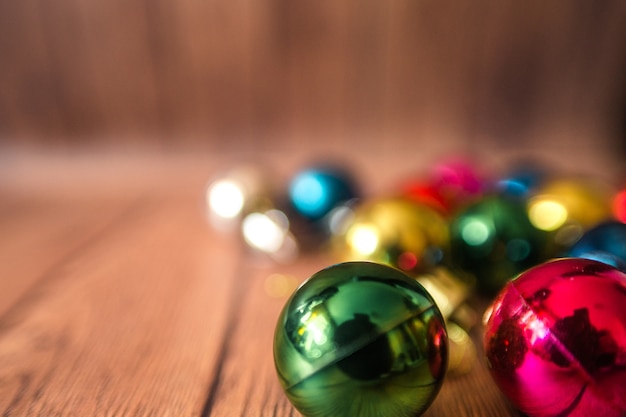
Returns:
point(315, 192)
point(605, 242)
point(522, 181)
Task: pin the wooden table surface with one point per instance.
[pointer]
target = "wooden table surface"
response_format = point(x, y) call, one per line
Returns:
point(117, 298)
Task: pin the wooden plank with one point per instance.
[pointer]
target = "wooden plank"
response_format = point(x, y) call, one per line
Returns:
point(41, 234)
point(129, 326)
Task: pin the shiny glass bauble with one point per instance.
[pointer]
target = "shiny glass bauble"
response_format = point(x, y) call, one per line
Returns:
point(494, 240)
point(458, 181)
point(314, 192)
point(522, 180)
point(426, 194)
point(605, 242)
point(566, 208)
point(360, 339)
point(394, 231)
point(555, 340)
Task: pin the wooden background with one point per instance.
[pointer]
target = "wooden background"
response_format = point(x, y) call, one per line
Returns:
point(225, 74)
point(117, 298)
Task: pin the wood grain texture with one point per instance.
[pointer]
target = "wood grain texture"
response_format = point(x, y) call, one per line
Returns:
point(118, 299)
point(111, 329)
point(243, 73)
point(42, 235)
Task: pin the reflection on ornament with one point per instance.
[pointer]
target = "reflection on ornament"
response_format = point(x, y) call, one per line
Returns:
point(394, 231)
point(493, 239)
point(555, 339)
point(363, 339)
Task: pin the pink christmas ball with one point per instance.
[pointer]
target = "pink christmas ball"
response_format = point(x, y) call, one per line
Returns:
point(555, 340)
point(457, 181)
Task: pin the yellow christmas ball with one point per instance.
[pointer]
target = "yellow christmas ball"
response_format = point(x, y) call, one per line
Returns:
point(566, 208)
point(394, 231)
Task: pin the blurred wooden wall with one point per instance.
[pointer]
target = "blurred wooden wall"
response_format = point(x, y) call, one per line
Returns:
point(195, 72)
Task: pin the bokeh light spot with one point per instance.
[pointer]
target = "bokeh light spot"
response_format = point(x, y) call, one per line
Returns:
point(619, 206)
point(475, 232)
point(225, 199)
point(547, 215)
point(262, 232)
point(363, 239)
point(407, 261)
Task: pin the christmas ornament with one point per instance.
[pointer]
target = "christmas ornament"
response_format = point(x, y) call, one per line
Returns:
point(555, 340)
point(451, 292)
point(314, 192)
point(457, 181)
point(240, 191)
point(566, 208)
point(493, 239)
point(394, 231)
point(426, 194)
point(363, 339)
point(244, 200)
point(605, 242)
point(522, 181)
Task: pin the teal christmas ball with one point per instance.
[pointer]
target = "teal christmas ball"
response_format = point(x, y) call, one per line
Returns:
point(315, 192)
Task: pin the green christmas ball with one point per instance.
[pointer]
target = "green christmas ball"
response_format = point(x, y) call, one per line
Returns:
point(360, 339)
point(494, 240)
